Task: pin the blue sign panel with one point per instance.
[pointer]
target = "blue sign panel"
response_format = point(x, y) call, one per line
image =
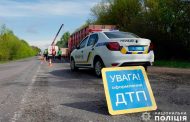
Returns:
point(127, 90)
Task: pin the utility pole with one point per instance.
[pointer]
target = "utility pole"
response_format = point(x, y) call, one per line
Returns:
point(57, 35)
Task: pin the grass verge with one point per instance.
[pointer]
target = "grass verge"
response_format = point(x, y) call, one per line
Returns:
point(3, 62)
point(8, 61)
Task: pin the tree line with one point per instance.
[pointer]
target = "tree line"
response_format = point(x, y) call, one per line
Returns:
point(63, 42)
point(11, 47)
point(165, 22)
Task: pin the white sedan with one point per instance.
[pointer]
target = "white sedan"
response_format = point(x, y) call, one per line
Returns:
point(112, 48)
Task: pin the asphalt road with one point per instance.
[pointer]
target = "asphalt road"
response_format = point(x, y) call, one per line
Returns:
point(31, 91)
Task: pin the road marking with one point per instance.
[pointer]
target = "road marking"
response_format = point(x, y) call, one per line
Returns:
point(19, 113)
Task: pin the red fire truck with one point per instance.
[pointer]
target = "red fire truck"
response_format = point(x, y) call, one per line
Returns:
point(77, 36)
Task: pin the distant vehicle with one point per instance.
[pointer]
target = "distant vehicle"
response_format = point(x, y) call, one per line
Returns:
point(112, 48)
point(50, 50)
point(53, 49)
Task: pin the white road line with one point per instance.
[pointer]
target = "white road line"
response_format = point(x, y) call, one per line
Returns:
point(19, 113)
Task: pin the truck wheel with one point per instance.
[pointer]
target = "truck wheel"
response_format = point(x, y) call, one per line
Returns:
point(98, 65)
point(72, 65)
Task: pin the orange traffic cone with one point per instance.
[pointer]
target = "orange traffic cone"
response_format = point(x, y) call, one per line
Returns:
point(50, 63)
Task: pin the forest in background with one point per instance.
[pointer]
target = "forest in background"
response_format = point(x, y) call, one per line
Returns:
point(63, 42)
point(12, 48)
point(165, 22)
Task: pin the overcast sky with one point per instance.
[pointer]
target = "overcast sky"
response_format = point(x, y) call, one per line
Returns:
point(37, 21)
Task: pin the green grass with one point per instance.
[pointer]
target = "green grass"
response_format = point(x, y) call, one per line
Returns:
point(3, 62)
point(172, 63)
point(8, 61)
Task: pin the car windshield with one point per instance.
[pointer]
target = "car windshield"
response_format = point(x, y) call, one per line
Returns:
point(119, 34)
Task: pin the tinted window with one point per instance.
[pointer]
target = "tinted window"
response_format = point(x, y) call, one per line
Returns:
point(83, 43)
point(92, 40)
point(119, 34)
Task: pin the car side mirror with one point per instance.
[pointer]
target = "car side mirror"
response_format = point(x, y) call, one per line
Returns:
point(77, 47)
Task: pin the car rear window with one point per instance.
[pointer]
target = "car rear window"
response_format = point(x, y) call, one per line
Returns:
point(119, 34)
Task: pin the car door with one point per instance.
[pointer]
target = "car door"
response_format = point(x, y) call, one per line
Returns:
point(87, 51)
point(80, 50)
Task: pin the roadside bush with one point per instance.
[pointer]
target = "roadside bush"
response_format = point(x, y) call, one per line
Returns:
point(164, 22)
point(11, 47)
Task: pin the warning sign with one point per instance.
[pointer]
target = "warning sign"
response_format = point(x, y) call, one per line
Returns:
point(127, 90)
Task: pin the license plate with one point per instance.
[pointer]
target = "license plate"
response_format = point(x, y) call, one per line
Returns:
point(136, 48)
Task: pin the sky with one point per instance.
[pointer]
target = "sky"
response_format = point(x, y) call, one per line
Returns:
point(37, 21)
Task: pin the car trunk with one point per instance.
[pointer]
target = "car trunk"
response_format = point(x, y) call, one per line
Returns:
point(132, 44)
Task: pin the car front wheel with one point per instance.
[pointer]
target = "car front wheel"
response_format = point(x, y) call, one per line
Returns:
point(72, 65)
